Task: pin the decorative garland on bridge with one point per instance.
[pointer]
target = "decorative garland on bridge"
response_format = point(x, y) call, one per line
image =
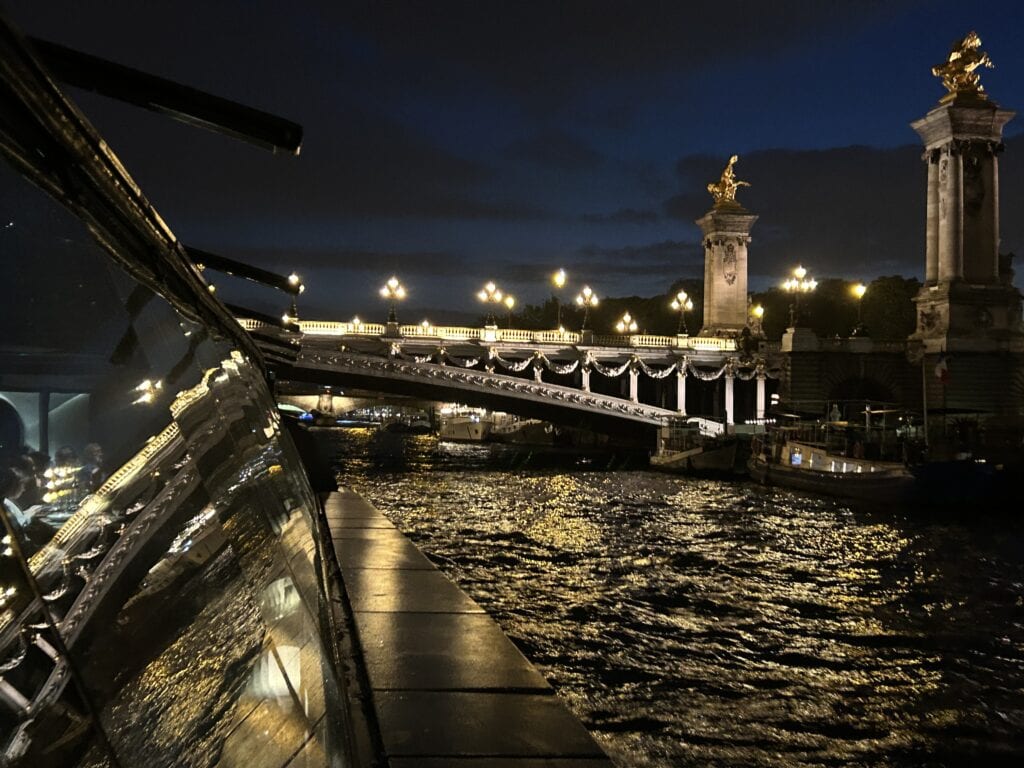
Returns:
point(705, 375)
point(682, 366)
point(656, 374)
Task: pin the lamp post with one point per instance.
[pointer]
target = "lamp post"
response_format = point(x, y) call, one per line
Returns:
point(509, 302)
point(295, 287)
point(393, 291)
point(682, 303)
point(558, 280)
point(490, 295)
point(586, 299)
point(858, 291)
point(798, 284)
point(757, 313)
point(627, 324)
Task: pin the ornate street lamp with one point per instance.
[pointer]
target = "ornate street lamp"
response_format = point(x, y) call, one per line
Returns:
point(682, 303)
point(586, 299)
point(627, 324)
point(295, 287)
point(858, 291)
point(558, 280)
point(393, 291)
point(490, 294)
point(797, 285)
point(509, 302)
point(757, 315)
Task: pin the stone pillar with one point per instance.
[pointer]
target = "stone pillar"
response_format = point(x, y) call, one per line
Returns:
point(760, 395)
point(634, 377)
point(681, 392)
point(950, 234)
point(931, 271)
point(730, 379)
point(585, 378)
point(726, 230)
point(965, 303)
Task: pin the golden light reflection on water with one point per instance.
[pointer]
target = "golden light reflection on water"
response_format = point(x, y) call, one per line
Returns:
point(694, 622)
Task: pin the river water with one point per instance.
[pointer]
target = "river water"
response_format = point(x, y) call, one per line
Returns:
point(692, 622)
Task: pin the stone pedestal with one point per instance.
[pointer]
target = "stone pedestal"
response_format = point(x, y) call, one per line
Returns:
point(726, 231)
point(860, 345)
point(797, 339)
point(967, 300)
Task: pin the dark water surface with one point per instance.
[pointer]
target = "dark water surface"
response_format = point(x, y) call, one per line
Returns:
point(691, 622)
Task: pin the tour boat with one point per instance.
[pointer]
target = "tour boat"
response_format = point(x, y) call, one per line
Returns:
point(464, 428)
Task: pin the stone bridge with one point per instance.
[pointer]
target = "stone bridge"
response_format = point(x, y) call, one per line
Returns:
point(642, 381)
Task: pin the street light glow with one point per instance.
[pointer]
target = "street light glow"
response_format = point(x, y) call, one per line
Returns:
point(559, 279)
point(797, 285)
point(586, 299)
point(393, 291)
point(859, 290)
point(682, 303)
point(490, 294)
point(626, 324)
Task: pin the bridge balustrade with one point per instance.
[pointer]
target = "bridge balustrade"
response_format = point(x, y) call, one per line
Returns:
point(510, 335)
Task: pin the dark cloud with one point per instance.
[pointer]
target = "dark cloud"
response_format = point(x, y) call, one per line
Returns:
point(544, 51)
point(557, 150)
point(377, 262)
point(370, 166)
point(623, 216)
point(667, 258)
point(835, 211)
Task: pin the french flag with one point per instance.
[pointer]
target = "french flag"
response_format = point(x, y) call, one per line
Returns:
point(942, 369)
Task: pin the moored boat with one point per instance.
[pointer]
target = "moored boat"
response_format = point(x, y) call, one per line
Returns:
point(791, 457)
point(464, 428)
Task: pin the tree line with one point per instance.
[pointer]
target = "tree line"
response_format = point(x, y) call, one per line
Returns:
point(886, 310)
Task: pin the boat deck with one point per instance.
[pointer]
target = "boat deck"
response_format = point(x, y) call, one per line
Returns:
point(448, 687)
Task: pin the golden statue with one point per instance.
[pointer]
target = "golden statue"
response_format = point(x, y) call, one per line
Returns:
point(957, 73)
point(724, 192)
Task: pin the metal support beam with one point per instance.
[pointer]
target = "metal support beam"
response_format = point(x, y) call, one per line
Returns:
point(181, 102)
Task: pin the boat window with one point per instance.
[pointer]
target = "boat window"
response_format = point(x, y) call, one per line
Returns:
point(158, 595)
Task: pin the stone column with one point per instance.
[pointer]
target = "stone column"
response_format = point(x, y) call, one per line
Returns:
point(931, 272)
point(726, 231)
point(950, 230)
point(585, 378)
point(760, 395)
point(634, 377)
point(729, 381)
point(962, 138)
point(681, 392)
point(965, 304)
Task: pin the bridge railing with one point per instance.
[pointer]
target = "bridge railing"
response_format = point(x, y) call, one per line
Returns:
point(514, 335)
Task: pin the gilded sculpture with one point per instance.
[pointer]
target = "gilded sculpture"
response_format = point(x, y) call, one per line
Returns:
point(957, 72)
point(724, 192)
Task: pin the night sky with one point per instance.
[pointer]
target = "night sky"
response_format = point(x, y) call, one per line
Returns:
point(455, 142)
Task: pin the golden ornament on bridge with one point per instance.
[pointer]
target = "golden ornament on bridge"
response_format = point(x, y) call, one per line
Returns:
point(957, 73)
point(724, 192)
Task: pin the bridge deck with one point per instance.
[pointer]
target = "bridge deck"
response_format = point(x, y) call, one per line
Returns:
point(446, 683)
